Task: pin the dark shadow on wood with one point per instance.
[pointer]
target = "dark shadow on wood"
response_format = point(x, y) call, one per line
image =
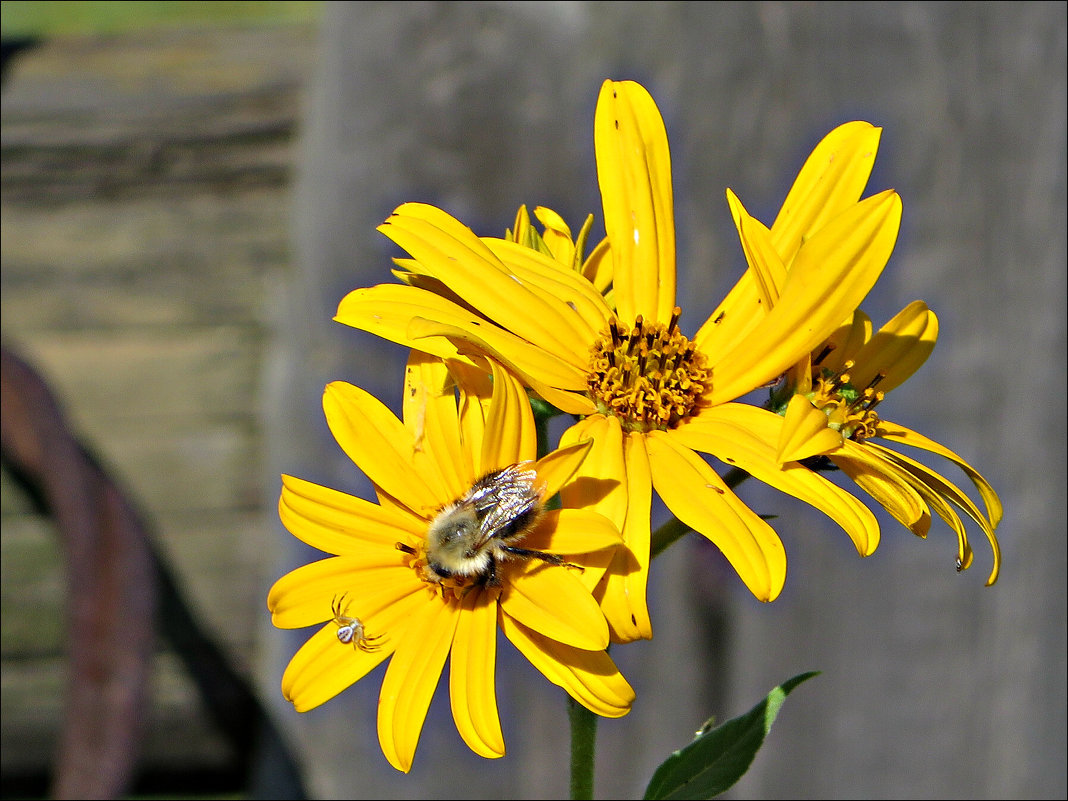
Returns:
point(120, 593)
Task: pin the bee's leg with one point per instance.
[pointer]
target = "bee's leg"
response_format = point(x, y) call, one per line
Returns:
point(551, 558)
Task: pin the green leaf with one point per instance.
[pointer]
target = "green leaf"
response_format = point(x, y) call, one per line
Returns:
point(720, 756)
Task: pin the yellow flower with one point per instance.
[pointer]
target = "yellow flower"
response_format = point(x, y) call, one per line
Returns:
point(829, 409)
point(623, 365)
point(828, 397)
point(455, 472)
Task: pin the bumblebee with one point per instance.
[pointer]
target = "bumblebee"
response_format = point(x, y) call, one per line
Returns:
point(471, 536)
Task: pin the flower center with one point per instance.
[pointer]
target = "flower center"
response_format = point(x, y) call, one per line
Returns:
point(848, 409)
point(650, 377)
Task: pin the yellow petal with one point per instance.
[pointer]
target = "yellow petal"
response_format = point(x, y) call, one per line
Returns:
point(805, 432)
point(370, 582)
point(623, 590)
point(557, 235)
point(382, 447)
point(472, 675)
point(634, 174)
point(557, 382)
point(475, 385)
point(554, 602)
point(411, 678)
point(766, 264)
point(557, 468)
point(895, 432)
point(597, 269)
point(590, 677)
point(829, 278)
point(586, 539)
point(831, 180)
point(338, 523)
point(573, 531)
point(614, 481)
point(325, 666)
point(739, 313)
point(540, 274)
point(452, 253)
point(600, 481)
point(941, 487)
point(697, 496)
point(744, 436)
point(387, 311)
point(898, 349)
point(938, 503)
point(510, 436)
point(886, 485)
point(430, 414)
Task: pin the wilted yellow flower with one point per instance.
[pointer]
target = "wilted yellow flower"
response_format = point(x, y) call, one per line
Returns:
point(648, 396)
point(458, 545)
point(829, 409)
point(828, 397)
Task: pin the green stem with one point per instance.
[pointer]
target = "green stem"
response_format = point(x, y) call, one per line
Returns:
point(583, 745)
point(675, 529)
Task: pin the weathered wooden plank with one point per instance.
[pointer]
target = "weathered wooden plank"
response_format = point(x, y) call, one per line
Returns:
point(155, 262)
point(162, 374)
point(91, 116)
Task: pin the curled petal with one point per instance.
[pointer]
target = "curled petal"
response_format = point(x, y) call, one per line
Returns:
point(554, 602)
point(744, 436)
point(886, 485)
point(929, 483)
point(894, 432)
point(805, 432)
point(697, 496)
point(590, 677)
point(898, 350)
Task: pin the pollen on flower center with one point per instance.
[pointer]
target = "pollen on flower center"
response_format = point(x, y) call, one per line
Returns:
point(650, 377)
point(849, 410)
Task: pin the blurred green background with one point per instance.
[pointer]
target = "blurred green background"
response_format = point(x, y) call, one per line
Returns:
point(59, 18)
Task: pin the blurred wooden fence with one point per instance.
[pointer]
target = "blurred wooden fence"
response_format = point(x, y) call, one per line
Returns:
point(145, 203)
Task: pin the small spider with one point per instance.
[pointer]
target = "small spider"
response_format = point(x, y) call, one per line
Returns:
point(350, 629)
